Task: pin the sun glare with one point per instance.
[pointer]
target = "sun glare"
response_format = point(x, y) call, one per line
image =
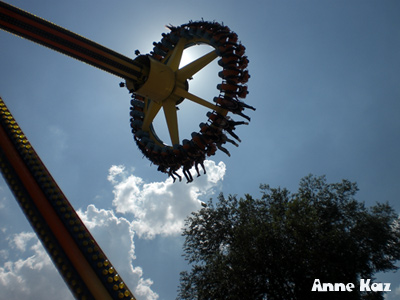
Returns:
point(190, 114)
point(192, 53)
point(187, 58)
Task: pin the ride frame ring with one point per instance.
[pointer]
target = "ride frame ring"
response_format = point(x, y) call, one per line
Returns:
point(167, 86)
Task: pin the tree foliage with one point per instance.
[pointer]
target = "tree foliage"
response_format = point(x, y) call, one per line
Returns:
point(275, 247)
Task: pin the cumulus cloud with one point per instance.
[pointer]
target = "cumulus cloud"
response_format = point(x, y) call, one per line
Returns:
point(140, 209)
point(32, 275)
point(115, 237)
point(159, 208)
point(145, 209)
point(27, 272)
point(21, 240)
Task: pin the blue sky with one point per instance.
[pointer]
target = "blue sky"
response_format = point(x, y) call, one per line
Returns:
point(325, 82)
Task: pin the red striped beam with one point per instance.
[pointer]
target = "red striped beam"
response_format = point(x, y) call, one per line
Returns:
point(78, 258)
point(31, 27)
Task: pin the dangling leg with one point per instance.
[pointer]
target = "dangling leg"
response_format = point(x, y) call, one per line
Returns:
point(223, 149)
point(230, 131)
point(196, 165)
point(202, 165)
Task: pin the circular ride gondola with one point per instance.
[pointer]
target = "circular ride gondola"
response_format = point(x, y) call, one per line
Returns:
point(167, 86)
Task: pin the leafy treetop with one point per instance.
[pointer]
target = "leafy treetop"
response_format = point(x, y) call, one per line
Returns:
point(275, 247)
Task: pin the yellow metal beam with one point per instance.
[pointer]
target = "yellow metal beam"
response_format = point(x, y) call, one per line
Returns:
point(44, 195)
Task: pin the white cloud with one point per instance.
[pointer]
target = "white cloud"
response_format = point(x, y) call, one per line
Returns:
point(150, 209)
point(115, 237)
point(160, 208)
point(21, 240)
point(32, 275)
point(113, 172)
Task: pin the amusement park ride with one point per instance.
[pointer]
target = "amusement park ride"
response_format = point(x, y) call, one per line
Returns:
point(155, 81)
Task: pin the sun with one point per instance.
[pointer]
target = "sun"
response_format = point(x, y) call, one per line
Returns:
point(192, 53)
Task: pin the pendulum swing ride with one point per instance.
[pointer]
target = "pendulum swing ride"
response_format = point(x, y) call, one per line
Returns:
point(156, 83)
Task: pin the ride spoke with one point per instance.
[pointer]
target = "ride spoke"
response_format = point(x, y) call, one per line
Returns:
point(150, 114)
point(172, 121)
point(192, 68)
point(183, 93)
point(176, 56)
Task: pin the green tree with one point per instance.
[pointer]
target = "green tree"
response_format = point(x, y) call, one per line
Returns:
point(275, 247)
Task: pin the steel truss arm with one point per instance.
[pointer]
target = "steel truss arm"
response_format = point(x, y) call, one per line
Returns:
point(75, 253)
point(38, 30)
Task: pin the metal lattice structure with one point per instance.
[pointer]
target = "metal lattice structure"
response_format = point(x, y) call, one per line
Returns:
point(75, 253)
